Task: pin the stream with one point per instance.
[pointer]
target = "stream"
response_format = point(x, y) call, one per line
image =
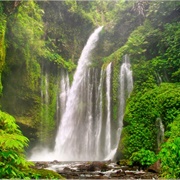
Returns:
point(95, 170)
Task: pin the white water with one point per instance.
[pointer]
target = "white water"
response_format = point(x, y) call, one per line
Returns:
point(99, 119)
point(74, 137)
point(126, 83)
point(108, 120)
point(160, 134)
point(62, 96)
point(64, 91)
point(85, 132)
point(44, 104)
point(72, 141)
point(126, 87)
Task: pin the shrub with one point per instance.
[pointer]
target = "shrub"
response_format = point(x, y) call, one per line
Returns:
point(12, 143)
point(170, 152)
point(143, 158)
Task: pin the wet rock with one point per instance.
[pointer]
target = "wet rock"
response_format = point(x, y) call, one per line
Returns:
point(41, 165)
point(149, 175)
point(98, 166)
point(118, 174)
point(66, 169)
point(94, 166)
point(82, 167)
point(97, 170)
point(55, 162)
point(155, 167)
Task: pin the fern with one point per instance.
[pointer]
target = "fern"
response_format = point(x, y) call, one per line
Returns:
point(12, 143)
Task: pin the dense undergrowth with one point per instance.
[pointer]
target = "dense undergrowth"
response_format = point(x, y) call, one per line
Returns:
point(13, 163)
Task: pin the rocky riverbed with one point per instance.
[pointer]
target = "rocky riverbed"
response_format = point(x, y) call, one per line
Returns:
point(96, 170)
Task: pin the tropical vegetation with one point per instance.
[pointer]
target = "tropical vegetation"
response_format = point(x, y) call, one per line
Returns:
point(40, 39)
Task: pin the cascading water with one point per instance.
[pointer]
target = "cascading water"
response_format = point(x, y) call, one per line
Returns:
point(44, 104)
point(42, 151)
point(72, 141)
point(99, 119)
point(85, 129)
point(108, 120)
point(126, 87)
point(62, 95)
point(160, 133)
point(126, 83)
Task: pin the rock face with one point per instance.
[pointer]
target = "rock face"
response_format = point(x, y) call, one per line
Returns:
point(96, 170)
point(94, 166)
point(155, 167)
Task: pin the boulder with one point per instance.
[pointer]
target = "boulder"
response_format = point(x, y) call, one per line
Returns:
point(155, 167)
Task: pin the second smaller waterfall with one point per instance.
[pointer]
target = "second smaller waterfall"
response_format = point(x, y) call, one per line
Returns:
point(62, 95)
point(160, 133)
point(126, 87)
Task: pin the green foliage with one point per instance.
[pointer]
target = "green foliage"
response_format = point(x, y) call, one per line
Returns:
point(42, 174)
point(22, 66)
point(170, 152)
point(150, 37)
point(66, 30)
point(140, 117)
point(166, 64)
point(13, 163)
point(136, 44)
point(12, 144)
point(24, 33)
point(115, 89)
point(2, 44)
point(142, 110)
point(169, 48)
point(169, 103)
point(143, 76)
point(46, 124)
point(2, 40)
point(59, 61)
point(143, 158)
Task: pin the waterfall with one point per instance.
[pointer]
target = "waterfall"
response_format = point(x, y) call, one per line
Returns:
point(160, 133)
point(99, 119)
point(72, 140)
point(126, 83)
point(62, 95)
point(126, 87)
point(44, 104)
point(86, 131)
point(64, 87)
point(108, 120)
